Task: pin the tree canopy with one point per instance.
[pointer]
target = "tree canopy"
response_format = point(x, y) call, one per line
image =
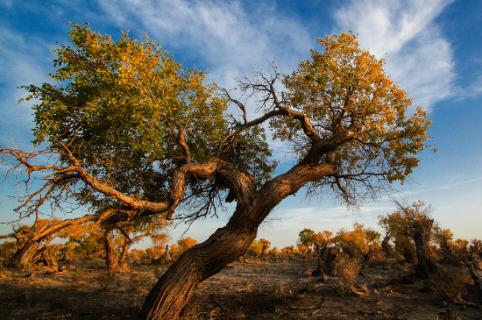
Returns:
point(134, 135)
point(131, 116)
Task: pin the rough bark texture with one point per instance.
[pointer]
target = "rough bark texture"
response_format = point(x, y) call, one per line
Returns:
point(123, 265)
point(110, 255)
point(174, 289)
point(421, 230)
point(25, 255)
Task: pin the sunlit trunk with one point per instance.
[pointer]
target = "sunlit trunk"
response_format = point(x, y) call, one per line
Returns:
point(24, 257)
point(174, 289)
point(123, 266)
point(110, 256)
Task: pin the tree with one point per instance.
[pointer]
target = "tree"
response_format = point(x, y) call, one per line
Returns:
point(133, 130)
point(396, 228)
point(306, 237)
point(82, 240)
point(259, 248)
point(31, 240)
point(358, 242)
point(265, 246)
point(412, 227)
point(444, 239)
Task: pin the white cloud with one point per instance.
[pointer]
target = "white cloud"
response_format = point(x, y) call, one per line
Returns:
point(6, 3)
point(406, 34)
point(221, 35)
point(22, 62)
point(473, 90)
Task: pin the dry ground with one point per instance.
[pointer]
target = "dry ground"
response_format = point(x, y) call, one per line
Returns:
point(249, 290)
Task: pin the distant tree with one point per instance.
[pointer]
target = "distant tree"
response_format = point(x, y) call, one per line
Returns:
point(412, 227)
point(306, 238)
point(396, 228)
point(129, 129)
point(476, 247)
point(265, 246)
point(461, 247)
point(349, 248)
point(358, 242)
point(287, 251)
point(311, 241)
point(275, 252)
point(186, 243)
point(259, 248)
point(322, 238)
point(444, 240)
point(82, 241)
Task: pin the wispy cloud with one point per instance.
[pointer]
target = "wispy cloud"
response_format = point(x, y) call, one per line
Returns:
point(447, 186)
point(406, 33)
point(6, 3)
point(221, 35)
point(21, 63)
point(474, 90)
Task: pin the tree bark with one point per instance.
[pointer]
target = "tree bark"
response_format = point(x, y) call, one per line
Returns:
point(24, 256)
point(421, 236)
point(174, 290)
point(386, 245)
point(123, 266)
point(326, 261)
point(110, 255)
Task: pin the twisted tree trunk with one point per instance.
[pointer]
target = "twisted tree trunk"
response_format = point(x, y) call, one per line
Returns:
point(174, 290)
point(23, 258)
point(25, 255)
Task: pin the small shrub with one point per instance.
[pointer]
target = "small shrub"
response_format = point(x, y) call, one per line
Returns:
point(7, 249)
point(347, 270)
point(155, 252)
point(449, 282)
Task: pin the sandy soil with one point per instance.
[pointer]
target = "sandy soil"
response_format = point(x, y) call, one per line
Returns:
point(249, 290)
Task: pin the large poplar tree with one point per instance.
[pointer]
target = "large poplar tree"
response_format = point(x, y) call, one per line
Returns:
point(133, 134)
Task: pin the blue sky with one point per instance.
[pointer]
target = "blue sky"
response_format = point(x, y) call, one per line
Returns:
point(432, 48)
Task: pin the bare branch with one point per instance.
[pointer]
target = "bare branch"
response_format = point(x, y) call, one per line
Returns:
point(7, 236)
point(55, 179)
point(241, 105)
